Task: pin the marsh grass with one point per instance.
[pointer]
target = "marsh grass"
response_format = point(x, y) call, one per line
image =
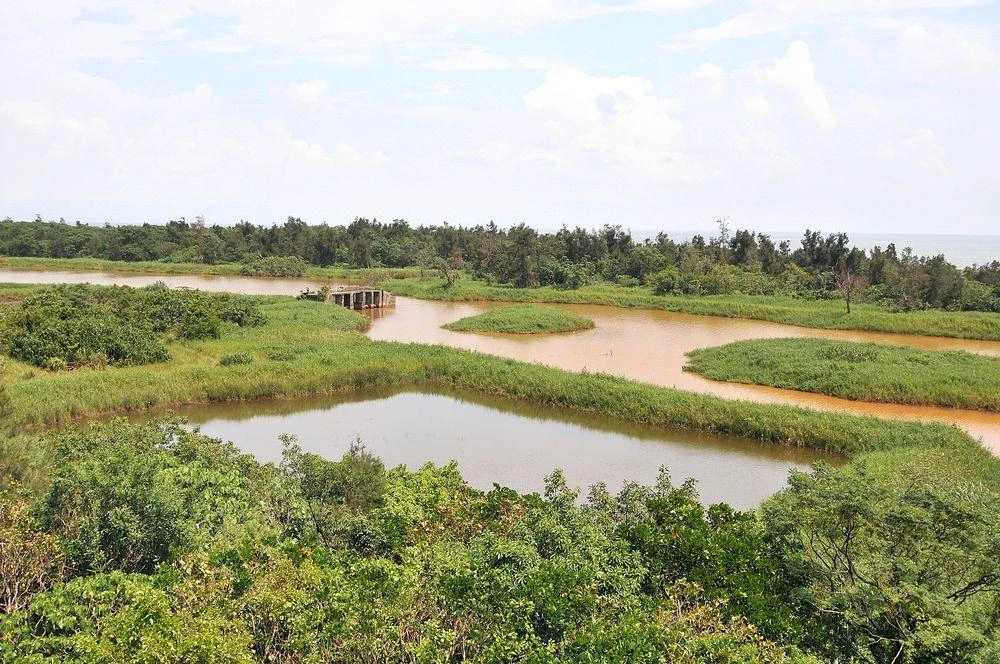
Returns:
point(522, 319)
point(858, 371)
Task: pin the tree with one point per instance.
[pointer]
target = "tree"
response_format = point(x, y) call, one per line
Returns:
point(846, 280)
point(895, 569)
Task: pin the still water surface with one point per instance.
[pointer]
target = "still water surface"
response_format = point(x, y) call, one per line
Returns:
point(505, 441)
point(644, 345)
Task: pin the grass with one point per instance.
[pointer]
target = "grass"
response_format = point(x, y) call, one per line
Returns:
point(823, 314)
point(522, 319)
point(858, 371)
point(311, 348)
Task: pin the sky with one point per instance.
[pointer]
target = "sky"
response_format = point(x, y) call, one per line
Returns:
point(844, 115)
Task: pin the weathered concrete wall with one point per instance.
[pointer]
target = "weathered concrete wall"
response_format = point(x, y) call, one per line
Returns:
point(361, 298)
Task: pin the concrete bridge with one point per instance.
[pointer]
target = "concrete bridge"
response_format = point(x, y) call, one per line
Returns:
point(360, 297)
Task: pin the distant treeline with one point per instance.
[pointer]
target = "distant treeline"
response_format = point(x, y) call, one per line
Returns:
point(738, 261)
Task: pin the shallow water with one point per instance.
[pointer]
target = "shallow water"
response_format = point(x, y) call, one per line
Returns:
point(641, 344)
point(504, 441)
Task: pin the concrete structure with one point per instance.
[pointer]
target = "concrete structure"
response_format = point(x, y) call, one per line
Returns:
point(360, 297)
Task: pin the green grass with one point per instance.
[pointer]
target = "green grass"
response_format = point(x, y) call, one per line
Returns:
point(859, 371)
point(824, 314)
point(311, 348)
point(522, 319)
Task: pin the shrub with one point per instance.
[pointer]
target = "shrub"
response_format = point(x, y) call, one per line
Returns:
point(275, 266)
point(666, 281)
point(69, 326)
point(235, 358)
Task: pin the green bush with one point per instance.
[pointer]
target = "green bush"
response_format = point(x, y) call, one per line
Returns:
point(275, 266)
point(70, 326)
point(235, 358)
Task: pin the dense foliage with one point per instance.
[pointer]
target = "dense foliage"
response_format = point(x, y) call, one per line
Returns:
point(275, 266)
point(733, 262)
point(153, 543)
point(522, 319)
point(862, 371)
point(67, 326)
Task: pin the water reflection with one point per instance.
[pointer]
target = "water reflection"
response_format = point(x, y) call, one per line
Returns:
point(509, 442)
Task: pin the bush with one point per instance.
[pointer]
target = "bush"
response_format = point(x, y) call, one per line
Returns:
point(71, 326)
point(666, 281)
point(6, 409)
point(275, 266)
point(235, 358)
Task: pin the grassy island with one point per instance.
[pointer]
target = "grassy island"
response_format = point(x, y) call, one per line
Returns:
point(522, 319)
point(858, 371)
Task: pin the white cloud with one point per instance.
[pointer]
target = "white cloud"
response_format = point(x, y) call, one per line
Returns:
point(768, 17)
point(310, 93)
point(924, 149)
point(946, 52)
point(479, 58)
point(766, 150)
point(795, 74)
point(758, 104)
point(709, 78)
point(616, 120)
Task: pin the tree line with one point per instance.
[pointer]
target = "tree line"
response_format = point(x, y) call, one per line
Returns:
point(728, 262)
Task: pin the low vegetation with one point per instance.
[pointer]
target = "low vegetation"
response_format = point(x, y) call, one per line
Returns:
point(523, 319)
point(73, 326)
point(860, 371)
point(275, 266)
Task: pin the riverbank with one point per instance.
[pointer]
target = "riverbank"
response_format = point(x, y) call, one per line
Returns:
point(857, 371)
point(817, 314)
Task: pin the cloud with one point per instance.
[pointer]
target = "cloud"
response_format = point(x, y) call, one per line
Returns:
point(947, 53)
point(923, 147)
point(795, 75)
point(615, 120)
point(769, 17)
point(758, 104)
point(310, 93)
point(766, 150)
point(479, 58)
point(709, 78)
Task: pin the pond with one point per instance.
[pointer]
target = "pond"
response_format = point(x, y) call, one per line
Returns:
point(505, 441)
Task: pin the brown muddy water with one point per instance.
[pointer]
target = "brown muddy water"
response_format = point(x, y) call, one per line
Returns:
point(650, 346)
point(644, 345)
point(508, 442)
